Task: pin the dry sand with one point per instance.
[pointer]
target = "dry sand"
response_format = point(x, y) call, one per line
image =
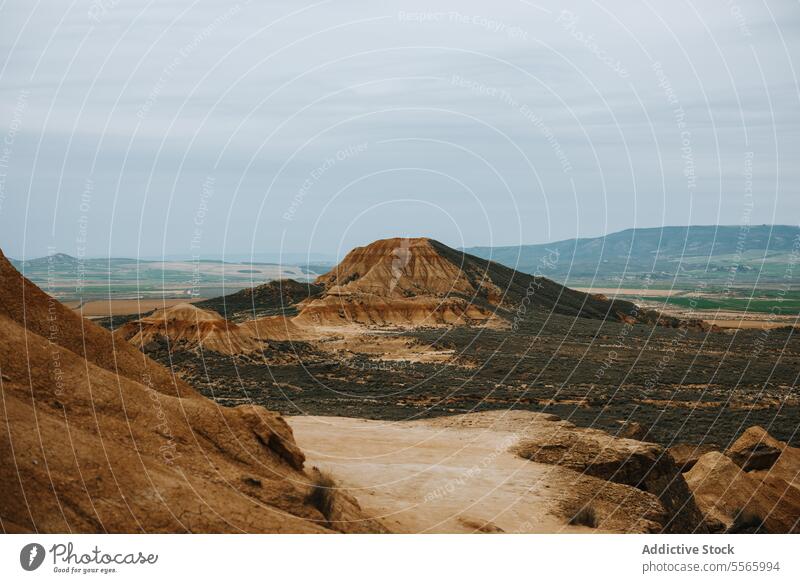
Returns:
point(423, 476)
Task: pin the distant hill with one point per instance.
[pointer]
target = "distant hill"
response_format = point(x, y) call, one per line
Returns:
point(56, 261)
point(714, 254)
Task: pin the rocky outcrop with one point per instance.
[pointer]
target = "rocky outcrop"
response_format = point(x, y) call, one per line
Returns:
point(686, 455)
point(411, 312)
point(188, 327)
point(44, 316)
point(645, 466)
point(421, 282)
point(632, 430)
point(91, 446)
point(740, 501)
point(609, 506)
point(786, 468)
point(401, 268)
point(753, 487)
point(755, 449)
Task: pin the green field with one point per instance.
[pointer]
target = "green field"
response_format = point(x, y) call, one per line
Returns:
point(780, 307)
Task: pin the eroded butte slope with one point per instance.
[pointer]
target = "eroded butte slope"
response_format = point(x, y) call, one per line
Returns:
point(421, 282)
point(99, 438)
point(389, 284)
point(186, 325)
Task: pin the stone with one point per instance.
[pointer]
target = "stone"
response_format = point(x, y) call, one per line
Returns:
point(645, 466)
point(686, 455)
point(755, 449)
point(743, 501)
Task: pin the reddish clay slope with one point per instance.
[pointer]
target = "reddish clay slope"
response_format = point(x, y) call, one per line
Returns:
point(421, 281)
point(187, 326)
point(35, 311)
point(85, 449)
point(401, 268)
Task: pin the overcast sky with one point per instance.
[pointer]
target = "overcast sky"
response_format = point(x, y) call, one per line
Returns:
point(178, 127)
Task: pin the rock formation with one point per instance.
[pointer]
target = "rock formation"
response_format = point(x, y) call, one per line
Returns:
point(753, 487)
point(645, 466)
point(389, 283)
point(99, 438)
point(187, 326)
point(755, 450)
point(421, 282)
point(686, 455)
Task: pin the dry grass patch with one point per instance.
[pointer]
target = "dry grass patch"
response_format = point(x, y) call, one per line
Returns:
point(323, 493)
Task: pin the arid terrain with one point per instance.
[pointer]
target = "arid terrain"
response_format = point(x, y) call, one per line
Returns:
point(99, 438)
point(415, 388)
point(594, 362)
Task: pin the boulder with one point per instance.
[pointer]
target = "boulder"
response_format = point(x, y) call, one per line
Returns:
point(785, 468)
point(741, 501)
point(686, 455)
point(755, 449)
point(609, 506)
point(632, 430)
point(645, 466)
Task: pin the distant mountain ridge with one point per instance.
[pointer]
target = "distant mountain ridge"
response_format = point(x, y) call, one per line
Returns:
point(56, 261)
point(761, 252)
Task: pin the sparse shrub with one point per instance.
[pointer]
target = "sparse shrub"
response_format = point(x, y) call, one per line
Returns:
point(323, 493)
point(586, 516)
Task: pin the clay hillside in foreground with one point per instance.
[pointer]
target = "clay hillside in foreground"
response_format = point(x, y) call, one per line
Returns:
point(99, 438)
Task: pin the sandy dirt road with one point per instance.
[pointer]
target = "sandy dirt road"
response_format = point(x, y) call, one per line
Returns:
point(424, 476)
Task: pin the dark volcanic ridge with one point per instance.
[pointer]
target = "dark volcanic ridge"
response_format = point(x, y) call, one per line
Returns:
point(275, 298)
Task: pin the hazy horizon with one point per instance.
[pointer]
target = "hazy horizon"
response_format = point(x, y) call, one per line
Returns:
point(193, 128)
point(294, 257)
